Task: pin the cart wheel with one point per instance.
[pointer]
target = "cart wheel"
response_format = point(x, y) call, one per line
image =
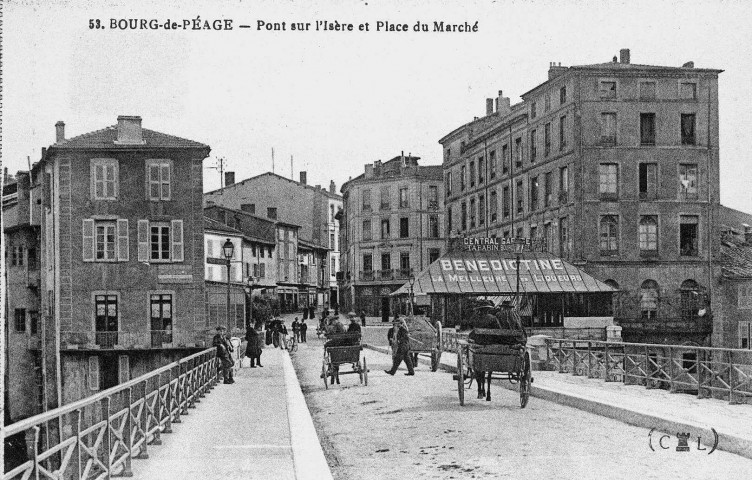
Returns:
point(324, 375)
point(365, 372)
point(435, 359)
point(460, 376)
point(525, 380)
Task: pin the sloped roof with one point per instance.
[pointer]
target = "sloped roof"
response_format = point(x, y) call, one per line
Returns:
point(211, 224)
point(735, 259)
point(495, 273)
point(312, 245)
point(105, 138)
point(263, 176)
point(255, 228)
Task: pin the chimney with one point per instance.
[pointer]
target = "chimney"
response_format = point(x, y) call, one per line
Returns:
point(303, 178)
point(59, 132)
point(369, 171)
point(489, 106)
point(614, 60)
point(503, 107)
point(248, 207)
point(332, 187)
point(624, 55)
point(554, 70)
point(229, 178)
point(44, 151)
point(129, 131)
point(689, 65)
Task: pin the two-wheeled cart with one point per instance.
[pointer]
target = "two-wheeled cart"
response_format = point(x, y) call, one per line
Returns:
point(339, 350)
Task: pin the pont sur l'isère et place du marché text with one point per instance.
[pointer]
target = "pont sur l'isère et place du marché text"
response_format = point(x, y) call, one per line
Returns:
point(379, 26)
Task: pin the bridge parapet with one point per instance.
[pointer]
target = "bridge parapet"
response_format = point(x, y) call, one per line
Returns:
point(702, 371)
point(98, 436)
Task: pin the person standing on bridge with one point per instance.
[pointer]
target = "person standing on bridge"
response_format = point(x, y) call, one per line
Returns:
point(253, 346)
point(303, 331)
point(224, 354)
point(401, 348)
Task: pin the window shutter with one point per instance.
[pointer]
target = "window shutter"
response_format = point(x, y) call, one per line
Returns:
point(93, 379)
point(88, 240)
point(143, 240)
point(177, 240)
point(124, 369)
point(122, 240)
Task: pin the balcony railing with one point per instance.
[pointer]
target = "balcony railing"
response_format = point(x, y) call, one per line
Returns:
point(404, 273)
point(148, 339)
point(368, 275)
point(98, 437)
point(386, 274)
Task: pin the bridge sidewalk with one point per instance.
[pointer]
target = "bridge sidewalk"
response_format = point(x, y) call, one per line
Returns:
point(257, 428)
point(639, 406)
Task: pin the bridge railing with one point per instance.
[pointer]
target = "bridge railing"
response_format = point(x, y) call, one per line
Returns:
point(98, 436)
point(703, 371)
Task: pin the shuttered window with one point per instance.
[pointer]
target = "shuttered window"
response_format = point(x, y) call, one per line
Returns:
point(92, 378)
point(159, 179)
point(160, 241)
point(105, 240)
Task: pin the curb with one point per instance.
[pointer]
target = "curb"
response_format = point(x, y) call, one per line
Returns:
point(308, 457)
point(727, 442)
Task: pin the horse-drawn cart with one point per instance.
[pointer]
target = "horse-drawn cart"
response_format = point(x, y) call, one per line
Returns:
point(503, 361)
point(425, 337)
point(343, 349)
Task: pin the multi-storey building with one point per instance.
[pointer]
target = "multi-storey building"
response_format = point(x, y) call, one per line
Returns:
point(392, 227)
point(292, 266)
point(121, 261)
point(312, 208)
point(616, 166)
point(23, 373)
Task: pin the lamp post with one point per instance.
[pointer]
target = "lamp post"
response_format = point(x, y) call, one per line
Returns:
point(227, 250)
point(412, 282)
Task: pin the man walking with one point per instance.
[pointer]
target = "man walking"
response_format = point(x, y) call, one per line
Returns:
point(296, 329)
point(224, 354)
point(363, 317)
point(303, 331)
point(401, 348)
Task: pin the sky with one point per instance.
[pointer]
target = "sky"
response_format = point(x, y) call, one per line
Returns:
point(337, 100)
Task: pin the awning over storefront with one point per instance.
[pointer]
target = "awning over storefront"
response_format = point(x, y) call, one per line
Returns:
point(495, 273)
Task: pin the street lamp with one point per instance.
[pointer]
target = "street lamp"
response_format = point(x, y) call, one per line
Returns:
point(227, 250)
point(412, 282)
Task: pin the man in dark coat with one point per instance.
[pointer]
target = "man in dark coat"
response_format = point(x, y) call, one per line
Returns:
point(253, 346)
point(363, 317)
point(401, 349)
point(354, 327)
point(296, 329)
point(303, 331)
point(224, 354)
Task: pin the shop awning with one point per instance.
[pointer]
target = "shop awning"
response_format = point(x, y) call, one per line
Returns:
point(495, 273)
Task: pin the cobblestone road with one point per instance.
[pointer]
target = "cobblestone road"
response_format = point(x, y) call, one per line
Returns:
point(413, 427)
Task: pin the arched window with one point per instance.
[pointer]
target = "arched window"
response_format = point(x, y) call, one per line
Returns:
point(691, 299)
point(649, 233)
point(609, 235)
point(649, 299)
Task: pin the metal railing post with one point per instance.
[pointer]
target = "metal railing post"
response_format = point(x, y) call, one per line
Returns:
point(144, 423)
point(106, 439)
point(128, 437)
point(699, 372)
point(168, 401)
point(671, 370)
point(647, 368)
point(732, 399)
point(158, 412)
point(590, 360)
point(561, 358)
point(607, 365)
point(76, 433)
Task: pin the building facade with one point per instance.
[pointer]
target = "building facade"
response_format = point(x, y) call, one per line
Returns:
point(615, 165)
point(392, 228)
point(312, 208)
point(294, 269)
point(121, 260)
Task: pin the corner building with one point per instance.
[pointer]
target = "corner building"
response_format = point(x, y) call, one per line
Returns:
point(615, 165)
point(392, 227)
point(121, 257)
